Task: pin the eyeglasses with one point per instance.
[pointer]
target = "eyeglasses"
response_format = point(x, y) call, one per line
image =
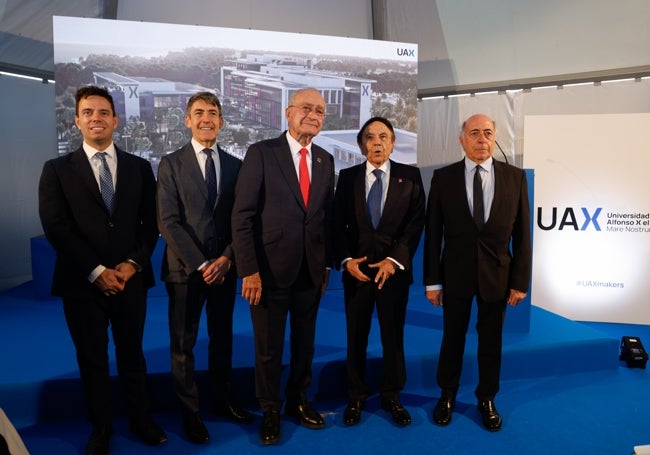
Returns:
point(474, 134)
point(307, 109)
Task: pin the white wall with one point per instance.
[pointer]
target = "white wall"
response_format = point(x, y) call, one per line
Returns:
point(27, 120)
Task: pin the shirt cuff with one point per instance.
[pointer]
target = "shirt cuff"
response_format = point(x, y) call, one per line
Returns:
point(96, 272)
point(134, 264)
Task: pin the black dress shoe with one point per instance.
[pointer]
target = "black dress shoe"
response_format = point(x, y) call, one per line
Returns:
point(195, 429)
point(352, 413)
point(397, 412)
point(98, 442)
point(148, 431)
point(442, 411)
point(490, 415)
point(229, 409)
point(306, 414)
point(270, 429)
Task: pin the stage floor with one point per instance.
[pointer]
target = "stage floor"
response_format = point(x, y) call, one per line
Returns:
point(563, 387)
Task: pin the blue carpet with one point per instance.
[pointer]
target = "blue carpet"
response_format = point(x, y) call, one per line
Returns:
point(563, 391)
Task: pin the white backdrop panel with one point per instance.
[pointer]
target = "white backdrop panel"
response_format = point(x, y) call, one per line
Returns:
point(592, 212)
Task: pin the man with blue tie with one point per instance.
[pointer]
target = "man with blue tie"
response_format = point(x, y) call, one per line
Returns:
point(97, 208)
point(195, 195)
point(477, 245)
point(379, 215)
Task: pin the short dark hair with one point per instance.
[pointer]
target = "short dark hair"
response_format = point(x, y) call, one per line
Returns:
point(92, 90)
point(208, 97)
point(383, 120)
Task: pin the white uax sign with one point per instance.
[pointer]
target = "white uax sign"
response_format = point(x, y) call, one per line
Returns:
point(591, 258)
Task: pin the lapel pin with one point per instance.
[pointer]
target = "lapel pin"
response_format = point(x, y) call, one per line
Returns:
point(318, 160)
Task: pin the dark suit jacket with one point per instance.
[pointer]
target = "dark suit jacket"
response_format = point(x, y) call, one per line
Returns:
point(400, 226)
point(81, 230)
point(193, 233)
point(461, 258)
point(272, 229)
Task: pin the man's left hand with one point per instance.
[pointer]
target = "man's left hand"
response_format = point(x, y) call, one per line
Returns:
point(515, 297)
point(216, 270)
point(387, 268)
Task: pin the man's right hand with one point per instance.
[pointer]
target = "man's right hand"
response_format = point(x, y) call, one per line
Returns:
point(251, 288)
point(435, 297)
point(352, 267)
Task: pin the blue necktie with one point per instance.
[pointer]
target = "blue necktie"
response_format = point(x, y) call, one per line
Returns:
point(374, 198)
point(479, 212)
point(210, 177)
point(106, 182)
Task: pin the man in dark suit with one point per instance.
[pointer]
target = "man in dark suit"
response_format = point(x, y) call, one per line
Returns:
point(477, 244)
point(97, 207)
point(282, 242)
point(375, 243)
point(196, 187)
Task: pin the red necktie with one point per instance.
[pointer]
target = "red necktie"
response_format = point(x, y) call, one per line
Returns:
point(303, 176)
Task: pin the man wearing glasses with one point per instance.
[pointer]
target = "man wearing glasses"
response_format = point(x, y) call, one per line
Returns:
point(282, 243)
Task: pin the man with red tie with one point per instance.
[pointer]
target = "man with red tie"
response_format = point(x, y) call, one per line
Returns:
point(282, 243)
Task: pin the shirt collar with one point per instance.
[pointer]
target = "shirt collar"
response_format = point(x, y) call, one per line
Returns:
point(470, 165)
point(198, 147)
point(91, 151)
point(384, 167)
point(295, 146)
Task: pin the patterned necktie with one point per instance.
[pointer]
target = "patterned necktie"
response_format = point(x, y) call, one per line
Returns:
point(479, 212)
point(303, 176)
point(374, 198)
point(210, 177)
point(106, 182)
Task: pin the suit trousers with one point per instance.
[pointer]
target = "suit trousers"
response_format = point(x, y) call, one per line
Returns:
point(300, 302)
point(88, 320)
point(489, 326)
point(391, 302)
point(186, 302)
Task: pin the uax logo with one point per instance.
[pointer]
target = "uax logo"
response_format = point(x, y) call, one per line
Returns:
point(403, 52)
point(568, 220)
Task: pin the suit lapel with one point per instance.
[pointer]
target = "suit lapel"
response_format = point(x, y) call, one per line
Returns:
point(190, 172)
point(394, 189)
point(359, 194)
point(499, 196)
point(82, 168)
